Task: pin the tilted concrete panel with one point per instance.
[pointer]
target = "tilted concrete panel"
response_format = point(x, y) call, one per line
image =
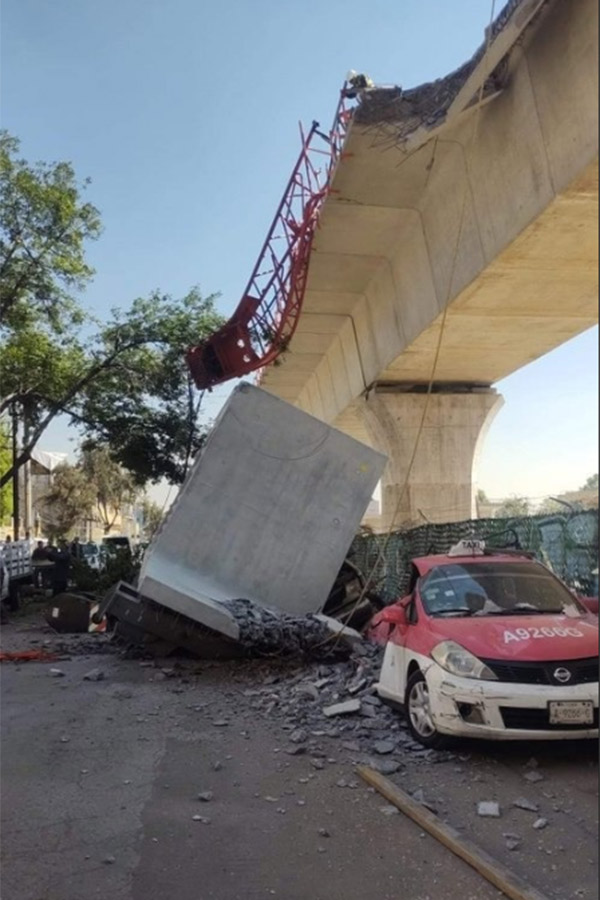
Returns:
point(267, 513)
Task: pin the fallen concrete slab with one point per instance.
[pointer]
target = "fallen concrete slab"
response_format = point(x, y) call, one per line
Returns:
point(267, 513)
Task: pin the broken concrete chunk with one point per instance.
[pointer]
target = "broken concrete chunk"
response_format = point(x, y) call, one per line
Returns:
point(419, 797)
point(540, 823)
point(357, 686)
point(524, 803)
point(259, 440)
point(342, 709)
point(298, 736)
point(94, 675)
point(384, 747)
point(488, 809)
point(57, 673)
point(389, 810)
point(533, 776)
point(384, 766)
point(205, 796)
point(308, 690)
point(513, 843)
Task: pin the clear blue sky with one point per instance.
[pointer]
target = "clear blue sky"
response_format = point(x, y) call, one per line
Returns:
point(185, 115)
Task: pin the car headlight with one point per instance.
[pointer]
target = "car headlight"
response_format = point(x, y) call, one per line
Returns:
point(458, 661)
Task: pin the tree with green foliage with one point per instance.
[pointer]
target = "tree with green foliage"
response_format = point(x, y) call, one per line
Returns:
point(126, 385)
point(152, 516)
point(44, 225)
point(513, 507)
point(71, 497)
point(145, 406)
point(114, 488)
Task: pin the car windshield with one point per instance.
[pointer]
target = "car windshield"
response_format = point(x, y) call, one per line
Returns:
point(495, 589)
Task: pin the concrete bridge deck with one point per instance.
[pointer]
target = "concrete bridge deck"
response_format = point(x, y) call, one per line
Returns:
point(486, 211)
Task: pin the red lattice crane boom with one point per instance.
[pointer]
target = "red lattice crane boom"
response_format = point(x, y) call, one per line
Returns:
point(266, 317)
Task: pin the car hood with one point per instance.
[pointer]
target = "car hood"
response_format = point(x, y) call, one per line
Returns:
point(527, 638)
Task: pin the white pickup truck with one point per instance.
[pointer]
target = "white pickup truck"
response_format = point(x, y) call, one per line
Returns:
point(15, 569)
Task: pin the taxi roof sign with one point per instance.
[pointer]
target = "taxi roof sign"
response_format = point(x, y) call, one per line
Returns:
point(468, 547)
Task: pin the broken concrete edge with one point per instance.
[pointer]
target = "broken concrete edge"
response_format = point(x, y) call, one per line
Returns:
point(239, 623)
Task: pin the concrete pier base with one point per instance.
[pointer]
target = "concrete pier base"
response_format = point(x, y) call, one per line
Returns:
point(440, 484)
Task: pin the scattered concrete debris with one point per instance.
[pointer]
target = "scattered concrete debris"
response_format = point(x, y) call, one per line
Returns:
point(342, 709)
point(389, 810)
point(524, 803)
point(540, 823)
point(205, 796)
point(109, 860)
point(202, 819)
point(488, 809)
point(56, 673)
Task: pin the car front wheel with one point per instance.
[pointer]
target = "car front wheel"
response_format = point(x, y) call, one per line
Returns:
point(418, 712)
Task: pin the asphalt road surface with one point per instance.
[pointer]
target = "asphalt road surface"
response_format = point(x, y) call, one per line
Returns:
point(101, 783)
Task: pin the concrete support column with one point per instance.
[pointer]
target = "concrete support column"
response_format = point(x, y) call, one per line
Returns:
point(441, 484)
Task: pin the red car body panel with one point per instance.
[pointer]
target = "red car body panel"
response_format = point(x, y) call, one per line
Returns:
point(526, 638)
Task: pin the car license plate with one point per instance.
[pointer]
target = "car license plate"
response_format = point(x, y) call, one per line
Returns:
point(571, 712)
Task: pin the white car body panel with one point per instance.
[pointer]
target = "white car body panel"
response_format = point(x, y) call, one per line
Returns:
point(446, 691)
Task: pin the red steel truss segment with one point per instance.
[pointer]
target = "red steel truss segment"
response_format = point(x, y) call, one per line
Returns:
point(266, 317)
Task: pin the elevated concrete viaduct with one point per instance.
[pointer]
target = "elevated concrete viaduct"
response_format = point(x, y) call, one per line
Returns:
point(469, 202)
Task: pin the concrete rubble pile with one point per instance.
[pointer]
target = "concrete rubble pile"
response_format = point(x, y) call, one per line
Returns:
point(336, 700)
point(267, 632)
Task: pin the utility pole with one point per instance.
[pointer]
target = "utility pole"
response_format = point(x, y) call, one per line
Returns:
point(15, 480)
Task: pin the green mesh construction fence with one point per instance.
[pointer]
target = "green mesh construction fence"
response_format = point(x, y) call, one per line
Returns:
point(567, 544)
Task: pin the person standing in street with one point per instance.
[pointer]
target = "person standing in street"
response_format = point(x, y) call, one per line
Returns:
point(62, 565)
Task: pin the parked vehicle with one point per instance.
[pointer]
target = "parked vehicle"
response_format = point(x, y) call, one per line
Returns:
point(4, 579)
point(490, 645)
point(90, 553)
point(115, 542)
point(15, 570)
